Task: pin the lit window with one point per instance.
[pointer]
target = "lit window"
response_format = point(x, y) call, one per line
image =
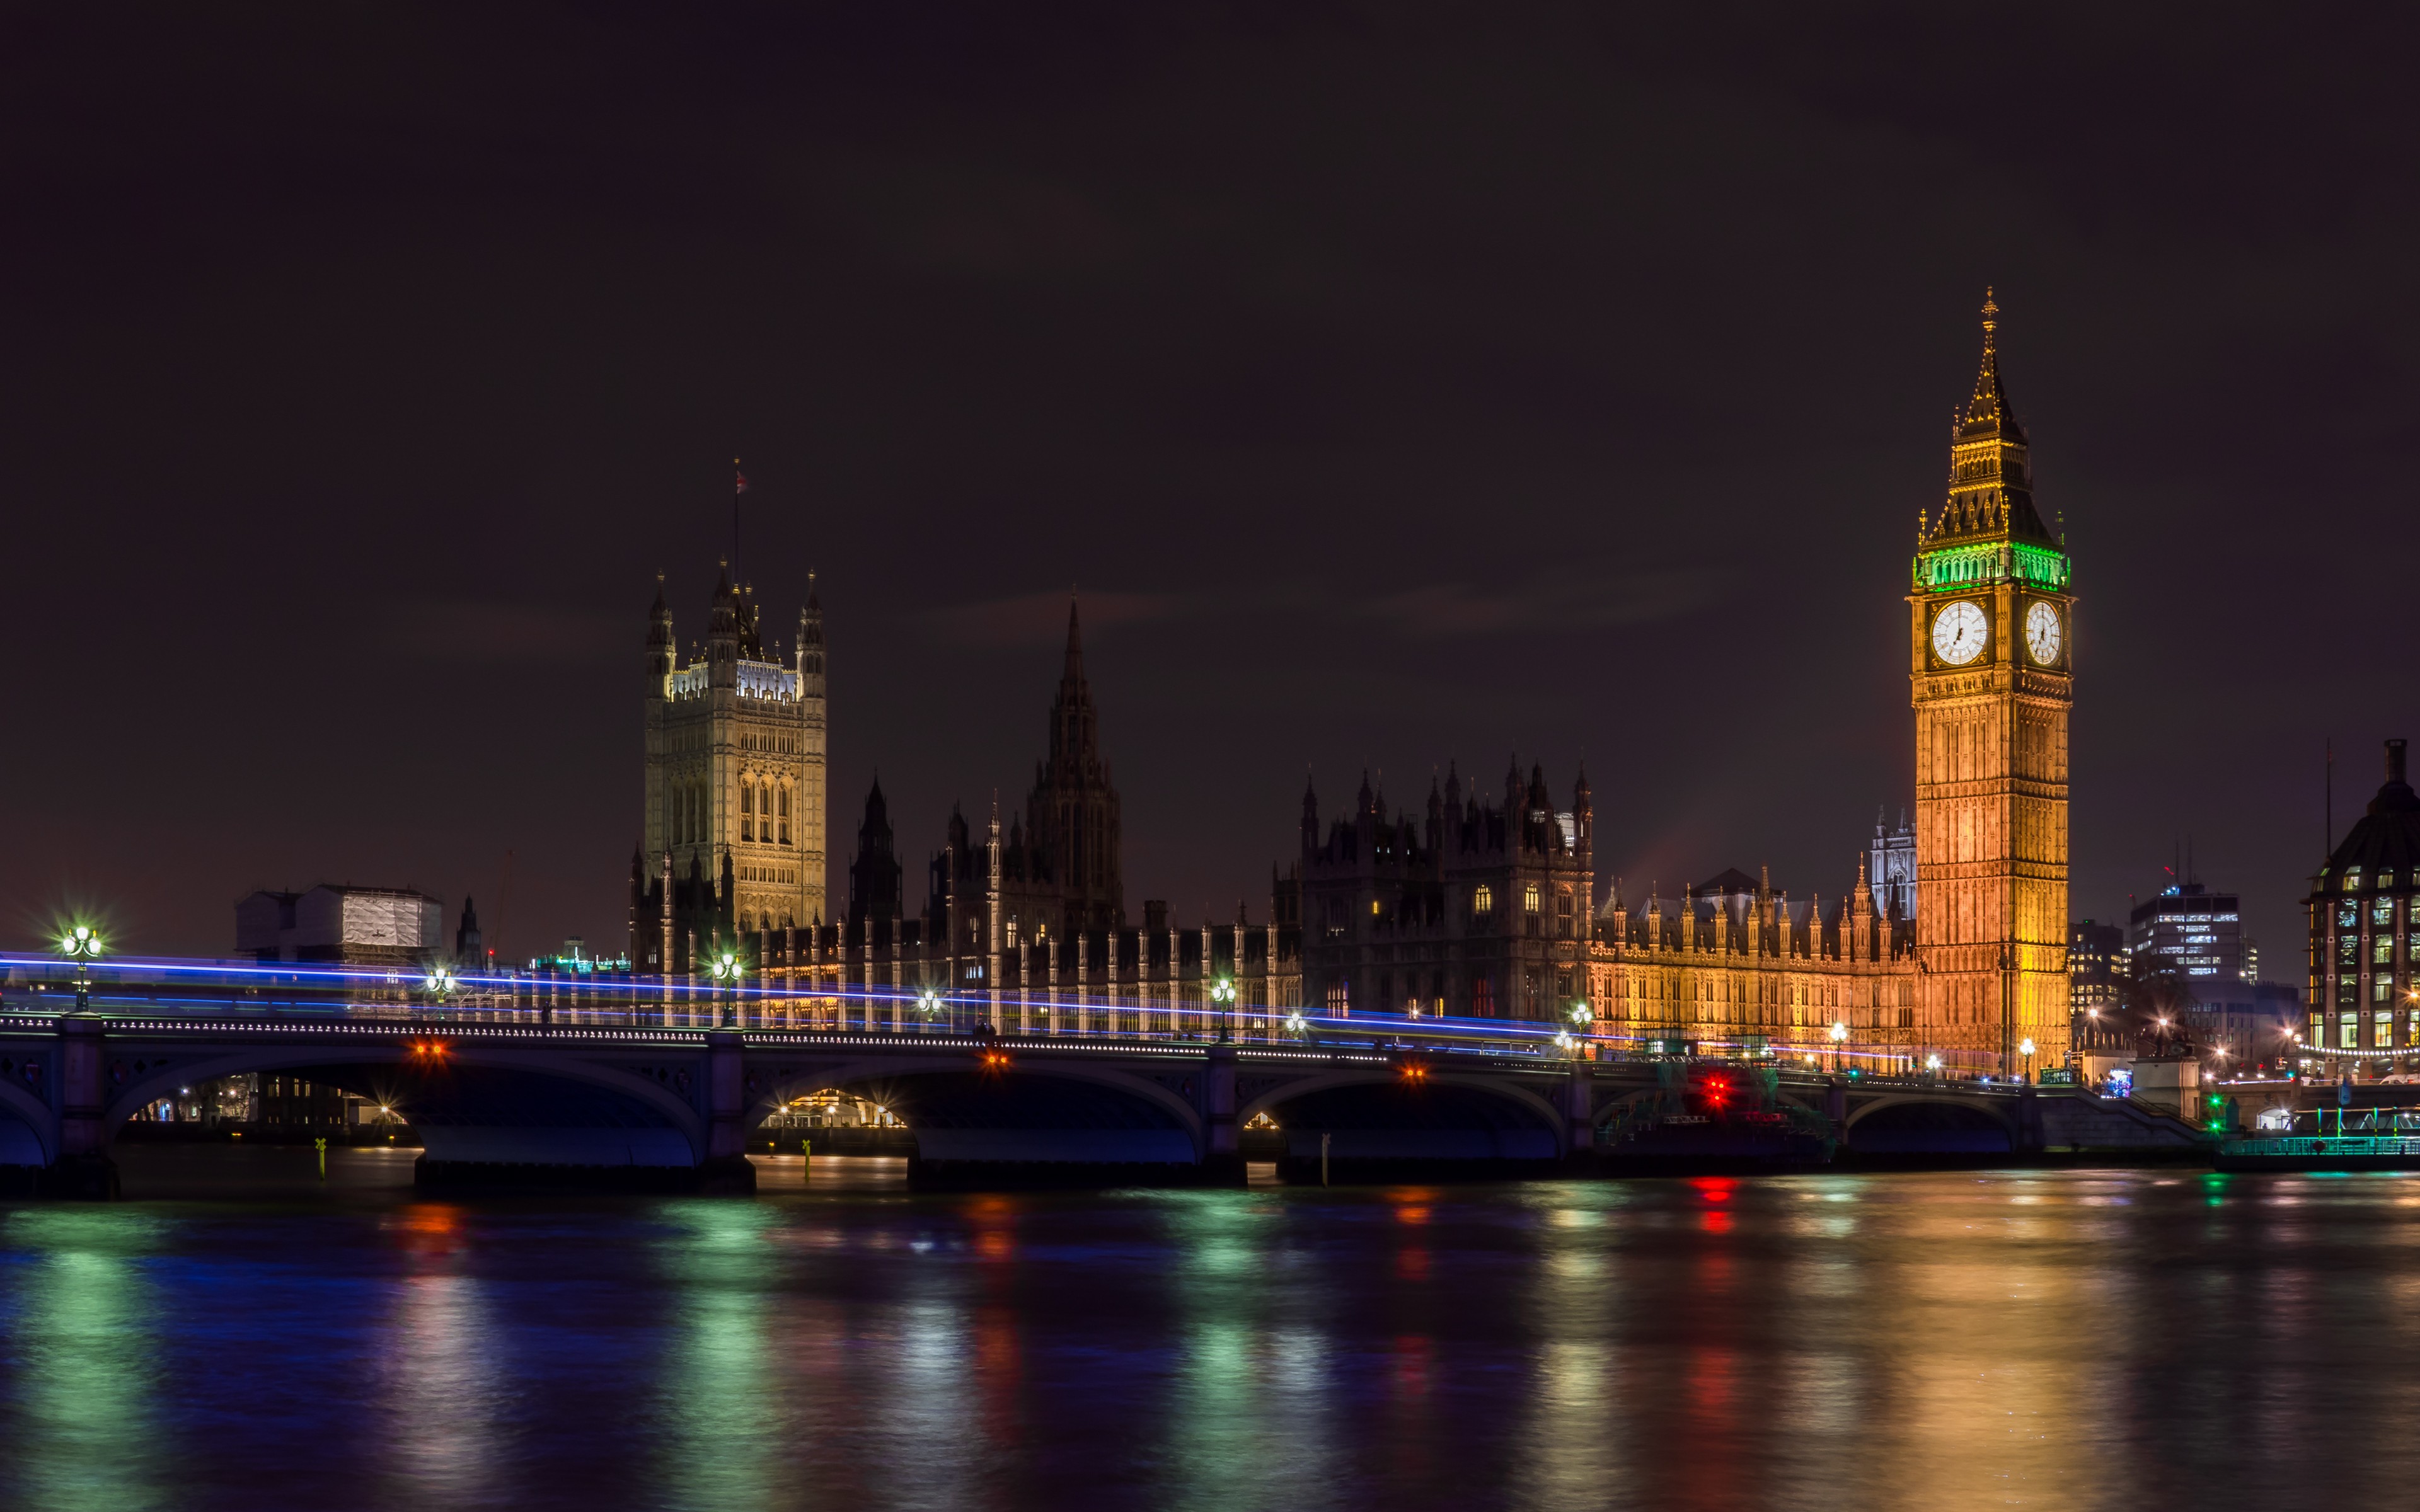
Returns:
point(1530, 898)
point(1483, 899)
point(2385, 1031)
point(1010, 928)
point(2381, 949)
point(1373, 908)
point(2348, 1031)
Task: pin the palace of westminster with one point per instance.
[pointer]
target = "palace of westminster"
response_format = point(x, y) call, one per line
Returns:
point(1950, 940)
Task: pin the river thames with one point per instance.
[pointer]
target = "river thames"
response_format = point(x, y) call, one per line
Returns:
point(2090, 1338)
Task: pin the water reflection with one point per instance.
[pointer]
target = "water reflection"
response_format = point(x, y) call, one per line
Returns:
point(2097, 1338)
point(81, 1359)
point(445, 1376)
point(719, 1437)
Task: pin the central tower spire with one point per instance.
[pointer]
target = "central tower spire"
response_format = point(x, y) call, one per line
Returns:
point(1073, 811)
point(1987, 527)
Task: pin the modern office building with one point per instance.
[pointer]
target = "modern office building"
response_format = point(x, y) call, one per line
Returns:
point(2201, 931)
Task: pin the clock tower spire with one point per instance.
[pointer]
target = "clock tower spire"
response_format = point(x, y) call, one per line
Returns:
point(1992, 681)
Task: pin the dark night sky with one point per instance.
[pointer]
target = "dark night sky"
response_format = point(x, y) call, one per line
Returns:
point(1396, 384)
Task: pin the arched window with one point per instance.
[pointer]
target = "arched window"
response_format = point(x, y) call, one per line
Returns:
point(1483, 899)
point(1482, 996)
point(783, 797)
point(748, 811)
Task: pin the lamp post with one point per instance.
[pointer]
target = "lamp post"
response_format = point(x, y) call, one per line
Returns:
point(81, 945)
point(1297, 1024)
point(439, 984)
point(928, 1004)
point(1933, 1065)
point(1839, 1038)
point(1223, 992)
point(2025, 1048)
point(726, 974)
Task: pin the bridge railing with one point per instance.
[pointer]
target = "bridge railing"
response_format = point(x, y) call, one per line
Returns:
point(1186, 1011)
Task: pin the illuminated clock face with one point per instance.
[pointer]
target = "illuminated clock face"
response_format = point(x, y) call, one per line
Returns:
point(1959, 633)
point(2041, 634)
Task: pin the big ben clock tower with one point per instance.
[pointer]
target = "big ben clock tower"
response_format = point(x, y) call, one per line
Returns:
point(1992, 676)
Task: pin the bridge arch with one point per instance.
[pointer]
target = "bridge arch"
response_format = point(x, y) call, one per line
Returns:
point(1931, 1124)
point(1982, 1107)
point(19, 1104)
point(1377, 1121)
point(1038, 1110)
point(485, 1102)
point(1276, 1097)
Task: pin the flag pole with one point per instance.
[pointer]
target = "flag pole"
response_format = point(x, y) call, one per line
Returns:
point(738, 486)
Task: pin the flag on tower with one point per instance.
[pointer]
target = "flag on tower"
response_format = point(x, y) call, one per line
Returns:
point(742, 477)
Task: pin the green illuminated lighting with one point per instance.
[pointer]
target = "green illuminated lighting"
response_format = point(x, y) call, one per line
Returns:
point(1952, 567)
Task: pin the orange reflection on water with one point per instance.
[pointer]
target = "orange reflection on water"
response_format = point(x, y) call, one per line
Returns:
point(1412, 1264)
point(1000, 1376)
point(427, 1230)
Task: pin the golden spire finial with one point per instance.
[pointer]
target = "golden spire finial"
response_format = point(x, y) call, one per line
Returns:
point(1990, 316)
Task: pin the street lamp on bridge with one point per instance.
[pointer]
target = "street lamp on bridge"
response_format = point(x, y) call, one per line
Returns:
point(2025, 1048)
point(1839, 1038)
point(1223, 992)
point(439, 984)
point(726, 975)
point(81, 945)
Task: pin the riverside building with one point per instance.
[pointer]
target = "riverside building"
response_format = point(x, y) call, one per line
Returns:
point(2364, 932)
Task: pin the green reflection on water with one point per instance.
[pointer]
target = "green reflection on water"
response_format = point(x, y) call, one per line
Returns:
point(721, 1443)
point(1252, 1387)
point(87, 1361)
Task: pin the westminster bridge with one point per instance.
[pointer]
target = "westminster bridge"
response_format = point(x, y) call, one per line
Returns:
point(664, 1088)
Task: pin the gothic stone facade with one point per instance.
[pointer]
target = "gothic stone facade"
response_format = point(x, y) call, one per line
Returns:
point(1025, 926)
point(731, 832)
point(1980, 969)
point(1482, 911)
